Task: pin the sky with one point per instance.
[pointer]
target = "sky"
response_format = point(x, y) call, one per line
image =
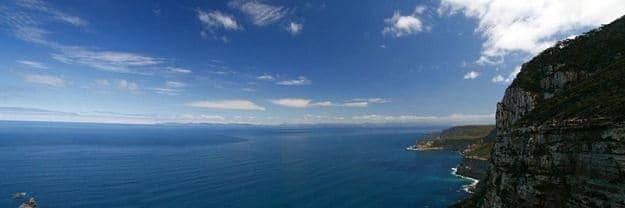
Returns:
point(275, 62)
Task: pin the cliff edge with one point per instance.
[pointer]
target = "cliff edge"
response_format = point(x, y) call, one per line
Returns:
point(474, 142)
point(561, 128)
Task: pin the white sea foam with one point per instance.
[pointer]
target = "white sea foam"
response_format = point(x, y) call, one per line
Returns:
point(466, 188)
point(412, 148)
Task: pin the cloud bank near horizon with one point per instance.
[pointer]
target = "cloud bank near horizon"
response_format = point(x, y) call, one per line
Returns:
point(35, 114)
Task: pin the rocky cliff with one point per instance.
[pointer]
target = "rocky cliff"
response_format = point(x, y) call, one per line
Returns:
point(474, 142)
point(561, 128)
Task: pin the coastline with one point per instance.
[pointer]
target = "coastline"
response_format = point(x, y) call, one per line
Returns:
point(454, 171)
point(467, 188)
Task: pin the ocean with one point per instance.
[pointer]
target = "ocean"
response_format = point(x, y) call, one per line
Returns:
point(97, 165)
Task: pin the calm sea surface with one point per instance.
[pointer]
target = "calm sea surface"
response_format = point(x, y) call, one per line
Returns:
point(78, 165)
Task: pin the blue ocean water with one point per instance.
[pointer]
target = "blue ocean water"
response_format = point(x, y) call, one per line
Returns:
point(78, 165)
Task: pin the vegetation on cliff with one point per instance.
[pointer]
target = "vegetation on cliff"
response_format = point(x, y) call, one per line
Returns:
point(601, 96)
point(594, 50)
point(458, 138)
point(560, 128)
point(473, 142)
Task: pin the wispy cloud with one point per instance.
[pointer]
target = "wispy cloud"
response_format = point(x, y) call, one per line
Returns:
point(307, 103)
point(31, 34)
point(247, 89)
point(58, 15)
point(102, 83)
point(174, 84)
point(107, 60)
point(260, 14)
point(454, 119)
point(227, 104)
point(364, 102)
point(294, 28)
point(166, 91)
point(301, 80)
point(508, 79)
point(265, 77)
point(356, 104)
point(170, 88)
point(24, 18)
point(33, 64)
point(471, 75)
point(530, 27)
point(178, 70)
point(125, 85)
point(121, 85)
point(401, 25)
point(113, 61)
point(49, 80)
point(215, 19)
point(28, 27)
point(35, 114)
point(371, 100)
point(300, 103)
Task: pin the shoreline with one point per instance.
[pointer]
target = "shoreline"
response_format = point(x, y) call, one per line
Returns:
point(454, 171)
point(466, 188)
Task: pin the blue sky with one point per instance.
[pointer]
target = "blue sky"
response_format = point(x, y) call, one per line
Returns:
point(274, 62)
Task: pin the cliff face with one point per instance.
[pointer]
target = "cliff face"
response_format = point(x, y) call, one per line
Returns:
point(561, 128)
point(473, 168)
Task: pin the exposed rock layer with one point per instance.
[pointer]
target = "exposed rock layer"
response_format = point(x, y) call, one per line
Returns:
point(473, 168)
point(561, 130)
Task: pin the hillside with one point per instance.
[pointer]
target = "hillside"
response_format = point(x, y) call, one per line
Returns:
point(457, 138)
point(473, 142)
point(561, 128)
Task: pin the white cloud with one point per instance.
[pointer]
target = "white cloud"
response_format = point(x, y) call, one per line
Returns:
point(25, 23)
point(125, 85)
point(33, 64)
point(294, 28)
point(216, 19)
point(399, 25)
point(200, 119)
point(509, 78)
point(265, 77)
point(102, 83)
point(364, 102)
point(455, 119)
point(113, 61)
point(497, 79)
point(49, 80)
point(356, 104)
point(227, 104)
point(300, 103)
point(259, 13)
point(301, 80)
point(173, 84)
point(371, 100)
point(34, 114)
point(530, 26)
point(247, 89)
point(46, 9)
point(170, 88)
point(166, 91)
point(471, 75)
point(307, 103)
point(323, 104)
point(31, 34)
point(178, 70)
point(292, 102)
